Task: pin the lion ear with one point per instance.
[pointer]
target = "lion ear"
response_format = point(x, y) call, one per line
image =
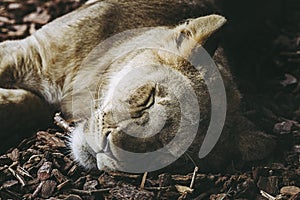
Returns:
point(197, 31)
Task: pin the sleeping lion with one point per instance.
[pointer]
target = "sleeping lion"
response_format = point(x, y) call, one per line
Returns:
point(141, 98)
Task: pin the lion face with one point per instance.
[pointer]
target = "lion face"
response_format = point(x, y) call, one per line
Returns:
point(150, 100)
point(142, 112)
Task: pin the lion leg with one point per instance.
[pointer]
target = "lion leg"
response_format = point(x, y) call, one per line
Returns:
point(21, 113)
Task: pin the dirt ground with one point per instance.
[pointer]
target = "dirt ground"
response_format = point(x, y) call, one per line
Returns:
point(40, 167)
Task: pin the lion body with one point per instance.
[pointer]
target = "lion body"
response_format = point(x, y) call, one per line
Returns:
point(49, 68)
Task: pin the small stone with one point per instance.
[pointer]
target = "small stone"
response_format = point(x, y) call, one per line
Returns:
point(44, 172)
point(283, 127)
point(20, 30)
point(296, 148)
point(48, 188)
point(7, 20)
point(90, 185)
point(14, 155)
point(41, 16)
point(289, 80)
point(14, 6)
point(183, 189)
point(290, 190)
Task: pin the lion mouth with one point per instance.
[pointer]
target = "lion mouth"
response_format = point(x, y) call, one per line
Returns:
point(107, 151)
point(106, 159)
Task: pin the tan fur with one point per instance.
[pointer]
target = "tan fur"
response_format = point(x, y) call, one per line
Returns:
point(46, 65)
